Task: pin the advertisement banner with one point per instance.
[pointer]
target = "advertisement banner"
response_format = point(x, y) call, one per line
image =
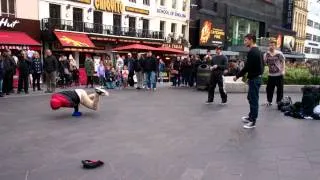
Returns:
point(211, 34)
point(288, 44)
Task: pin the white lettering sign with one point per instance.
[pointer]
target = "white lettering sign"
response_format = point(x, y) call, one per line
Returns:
point(4, 22)
point(171, 13)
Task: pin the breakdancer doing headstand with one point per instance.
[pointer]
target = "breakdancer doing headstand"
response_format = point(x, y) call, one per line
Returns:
point(72, 99)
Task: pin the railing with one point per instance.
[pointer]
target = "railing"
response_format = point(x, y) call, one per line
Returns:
point(68, 25)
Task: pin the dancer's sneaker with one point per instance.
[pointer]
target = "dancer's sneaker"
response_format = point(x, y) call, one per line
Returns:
point(209, 102)
point(101, 91)
point(249, 125)
point(268, 104)
point(245, 119)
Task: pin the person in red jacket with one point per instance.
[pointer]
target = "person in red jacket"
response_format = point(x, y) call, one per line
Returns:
point(73, 98)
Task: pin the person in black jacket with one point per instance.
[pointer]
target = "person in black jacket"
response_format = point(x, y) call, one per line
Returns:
point(218, 64)
point(37, 69)
point(50, 67)
point(9, 71)
point(137, 66)
point(1, 75)
point(129, 62)
point(150, 69)
point(254, 67)
point(24, 70)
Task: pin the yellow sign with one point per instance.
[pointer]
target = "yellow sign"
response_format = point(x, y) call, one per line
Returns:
point(217, 33)
point(137, 10)
point(83, 1)
point(114, 6)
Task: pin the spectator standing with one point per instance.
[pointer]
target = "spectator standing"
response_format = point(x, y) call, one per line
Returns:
point(24, 66)
point(218, 64)
point(119, 63)
point(9, 65)
point(162, 70)
point(175, 71)
point(129, 62)
point(37, 70)
point(89, 67)
point(276, 63)
point(102, 74)
point(150, 69)
point(254, 67)
point(50, 67)
point(65, 73)
point(1, 75)
point(138, 70)
point(125, 76)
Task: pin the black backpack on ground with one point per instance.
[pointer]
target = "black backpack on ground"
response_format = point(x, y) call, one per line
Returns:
point(285, 102)
point(310, 99)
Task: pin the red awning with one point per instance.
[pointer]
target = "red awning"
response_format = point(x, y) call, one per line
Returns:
point(138, 47)
point(17, 38)
point(68, 39)
point(170, 50)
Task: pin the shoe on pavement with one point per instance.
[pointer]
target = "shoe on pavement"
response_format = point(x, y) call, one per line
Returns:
point(224, 102)
point(101, 91)
point(268, 104)
point(249, 125)
point(90, 164)
point(209, 102)
point(245, 119)
point(76, 114)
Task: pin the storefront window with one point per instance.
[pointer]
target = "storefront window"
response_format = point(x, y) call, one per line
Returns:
point(8, 8)
point(239, 28)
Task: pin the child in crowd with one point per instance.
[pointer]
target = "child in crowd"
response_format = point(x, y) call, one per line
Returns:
point(101, 74)
point(125, 75)
point(110, 77)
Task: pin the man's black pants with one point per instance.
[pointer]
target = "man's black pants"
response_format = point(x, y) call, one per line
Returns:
point(7, 83)
point(214, 80)
point(275, 81)
point(23, 83)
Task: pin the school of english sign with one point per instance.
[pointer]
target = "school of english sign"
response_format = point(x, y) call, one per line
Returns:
point(171, 13)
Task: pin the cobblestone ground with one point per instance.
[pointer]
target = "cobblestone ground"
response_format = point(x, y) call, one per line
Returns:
point(166, 135)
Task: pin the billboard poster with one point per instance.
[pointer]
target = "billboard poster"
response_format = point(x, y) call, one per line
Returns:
point(288, 43)
point(211, 34)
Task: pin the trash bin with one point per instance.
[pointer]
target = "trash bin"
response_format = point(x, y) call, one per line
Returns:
point(203, 77)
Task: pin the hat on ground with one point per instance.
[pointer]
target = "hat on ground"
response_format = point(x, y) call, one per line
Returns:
point(90, 164)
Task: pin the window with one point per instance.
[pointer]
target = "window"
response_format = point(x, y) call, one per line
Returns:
point(183, 30)
point(174, 4)
point(116, 24)
point(162, 26)
point(97, 20)
point(54, 11)
point(145, 24)
point(184, 5)
point(8, 8)
point(309, 36)
point(133, 1)
point(78, 19)
point(146, 2)
point(307, 50)
point(316, 25)
point(162, 2)
point(310, 23)
point(173, 27)
point(314, 50)
point(314, 38)
point(215, 6)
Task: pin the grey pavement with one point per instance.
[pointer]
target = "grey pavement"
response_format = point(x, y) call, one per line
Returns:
point(169, 134)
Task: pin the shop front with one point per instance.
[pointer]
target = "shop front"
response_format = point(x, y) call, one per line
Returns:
point(19, 34)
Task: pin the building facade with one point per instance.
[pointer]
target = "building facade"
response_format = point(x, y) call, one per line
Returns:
point(264, 18)
point(300, 12)
point(312, 43)
point(19, 26)
point(111, 23)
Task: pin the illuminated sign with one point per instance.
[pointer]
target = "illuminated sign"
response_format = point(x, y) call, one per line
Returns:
point(82, 1)
point(211, 35)
point(114, 6)
point(137, 10)
point(173, 46)
point(8, 23)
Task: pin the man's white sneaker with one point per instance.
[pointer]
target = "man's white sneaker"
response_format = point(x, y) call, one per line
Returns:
point(209, 102)
point(245, 119)
point(101, 91)
point(249, 125)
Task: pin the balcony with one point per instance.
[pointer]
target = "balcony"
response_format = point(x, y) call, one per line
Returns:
point(76, 26)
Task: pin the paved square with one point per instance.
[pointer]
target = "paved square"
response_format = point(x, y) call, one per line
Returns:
point(167, 135)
